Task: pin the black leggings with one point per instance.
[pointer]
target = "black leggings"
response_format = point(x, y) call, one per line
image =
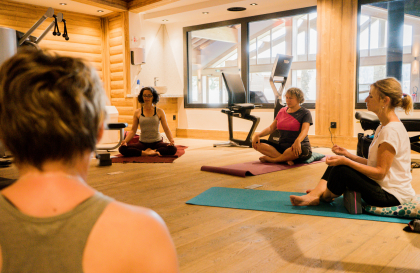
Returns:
point(281, 147)
point(341, 177)
point(137, 148)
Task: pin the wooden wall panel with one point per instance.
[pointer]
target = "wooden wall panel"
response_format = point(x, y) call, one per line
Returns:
point(118, 64)
point(336, 67)
point(84, 31)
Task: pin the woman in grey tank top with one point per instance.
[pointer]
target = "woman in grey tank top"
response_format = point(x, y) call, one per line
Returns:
point(51, 220)
point(148, 117)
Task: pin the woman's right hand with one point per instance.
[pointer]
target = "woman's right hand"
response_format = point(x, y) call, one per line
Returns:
point(124, 143)
point(255, 141)
point(339, 150)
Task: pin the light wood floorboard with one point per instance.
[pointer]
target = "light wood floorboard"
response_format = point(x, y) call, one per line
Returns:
point(210, 239)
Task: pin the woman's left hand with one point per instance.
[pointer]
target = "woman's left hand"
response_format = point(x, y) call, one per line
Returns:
point(297, 148)
point(336, 160)
point(171, 142)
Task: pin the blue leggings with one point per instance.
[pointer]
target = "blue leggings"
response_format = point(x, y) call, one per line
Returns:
point(341, 177)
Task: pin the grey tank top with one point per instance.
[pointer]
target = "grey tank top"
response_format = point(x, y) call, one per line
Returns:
point(51, 244)
point(149, 127)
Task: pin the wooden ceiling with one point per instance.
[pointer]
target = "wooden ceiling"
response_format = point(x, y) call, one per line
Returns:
point(127, 5)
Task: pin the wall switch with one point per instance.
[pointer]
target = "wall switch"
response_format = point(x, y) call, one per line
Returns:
point(333, 125)
point(174, 117)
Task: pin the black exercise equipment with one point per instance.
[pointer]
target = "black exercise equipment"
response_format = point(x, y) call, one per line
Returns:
point(114, 126)
point(238, 108)
point(371, 122)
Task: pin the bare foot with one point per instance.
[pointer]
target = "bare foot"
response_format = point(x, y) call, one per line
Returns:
point(290, 163)
point(263, 159)
point(304, 200)
point(308, 191)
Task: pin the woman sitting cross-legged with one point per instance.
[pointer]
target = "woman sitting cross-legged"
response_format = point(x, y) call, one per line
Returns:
point(148, 117)
point(384, 179)
point(293, 123)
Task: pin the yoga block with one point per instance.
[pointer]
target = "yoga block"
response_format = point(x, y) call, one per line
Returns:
point(353, 202)
point(103, 156)
point(105, 162)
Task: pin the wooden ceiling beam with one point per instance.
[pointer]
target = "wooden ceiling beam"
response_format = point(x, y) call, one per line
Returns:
point(137, 6)
point(114, 5)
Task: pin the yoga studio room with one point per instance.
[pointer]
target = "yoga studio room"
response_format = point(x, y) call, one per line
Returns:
point(209, 136)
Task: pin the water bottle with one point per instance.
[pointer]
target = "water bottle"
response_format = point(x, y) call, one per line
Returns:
point(138, 87)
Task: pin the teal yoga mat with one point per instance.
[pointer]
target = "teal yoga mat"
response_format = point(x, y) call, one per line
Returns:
point(278, 201)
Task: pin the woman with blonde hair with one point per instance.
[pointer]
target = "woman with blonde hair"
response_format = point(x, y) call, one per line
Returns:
point(384, 179)
point(52, 112)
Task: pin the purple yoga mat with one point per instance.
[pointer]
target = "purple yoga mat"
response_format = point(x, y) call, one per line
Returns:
point(253, 168)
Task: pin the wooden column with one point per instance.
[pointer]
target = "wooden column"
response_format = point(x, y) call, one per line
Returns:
point(336, 69)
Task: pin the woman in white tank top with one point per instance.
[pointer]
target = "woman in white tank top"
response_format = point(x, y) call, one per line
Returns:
point(384, 179)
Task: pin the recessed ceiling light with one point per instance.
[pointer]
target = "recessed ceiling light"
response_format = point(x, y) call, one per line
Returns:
point(165, 20)
point(205, 12)
point(63, 4)
point(236, 9)
point(100, 10)
point(253, 4)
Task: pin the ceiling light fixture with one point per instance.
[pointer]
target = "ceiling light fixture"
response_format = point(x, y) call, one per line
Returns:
point(63, 4)
point(100, 10)
point(253, 4)
point(205, 12)
point(236, 9)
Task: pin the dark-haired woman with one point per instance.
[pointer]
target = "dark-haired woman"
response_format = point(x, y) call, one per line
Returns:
point(148, 117)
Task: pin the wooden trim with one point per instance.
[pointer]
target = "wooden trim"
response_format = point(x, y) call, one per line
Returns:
point(316, 141)
point(114, 5)
point(126, 53)
point(137, 6)
point(106, 76)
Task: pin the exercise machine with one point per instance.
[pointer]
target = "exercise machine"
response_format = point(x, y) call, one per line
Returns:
point(239, 109)
point(279, 74)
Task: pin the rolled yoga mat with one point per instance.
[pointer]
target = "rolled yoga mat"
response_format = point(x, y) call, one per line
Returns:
point(254, 168)
point(278, 201)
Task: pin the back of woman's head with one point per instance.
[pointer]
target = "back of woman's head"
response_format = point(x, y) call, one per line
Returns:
point(51, 107)
point(390, 87)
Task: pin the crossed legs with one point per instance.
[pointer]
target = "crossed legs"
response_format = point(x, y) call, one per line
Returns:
point(279, 154)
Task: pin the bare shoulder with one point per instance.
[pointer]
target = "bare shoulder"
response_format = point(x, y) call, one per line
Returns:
point(137, 112)
point(134, 238)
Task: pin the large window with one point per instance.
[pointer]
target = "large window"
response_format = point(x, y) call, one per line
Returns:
point(249, 46)
point(294, 35)
point(389, 45)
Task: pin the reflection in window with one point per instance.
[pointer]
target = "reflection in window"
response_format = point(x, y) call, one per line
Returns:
point(297, 36)
point(373, 45)
point(306, 81)
point(209, 52)
point(371, 74)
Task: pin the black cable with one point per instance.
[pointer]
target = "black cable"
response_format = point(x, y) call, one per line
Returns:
point(65, 35)
point(329, 129)
point(56, 29)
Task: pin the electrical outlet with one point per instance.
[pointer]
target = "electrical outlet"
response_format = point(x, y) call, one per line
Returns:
point(333, 125)
point(174, 117)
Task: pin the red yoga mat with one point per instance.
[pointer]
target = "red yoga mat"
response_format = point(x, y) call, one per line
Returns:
point(150, 159)
point(253, 168)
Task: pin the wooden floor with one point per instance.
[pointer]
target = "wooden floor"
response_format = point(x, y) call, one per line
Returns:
point(212, 239)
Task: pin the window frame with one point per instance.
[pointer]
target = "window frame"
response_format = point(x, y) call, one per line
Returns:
point(244, 68)
point(362, 105)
